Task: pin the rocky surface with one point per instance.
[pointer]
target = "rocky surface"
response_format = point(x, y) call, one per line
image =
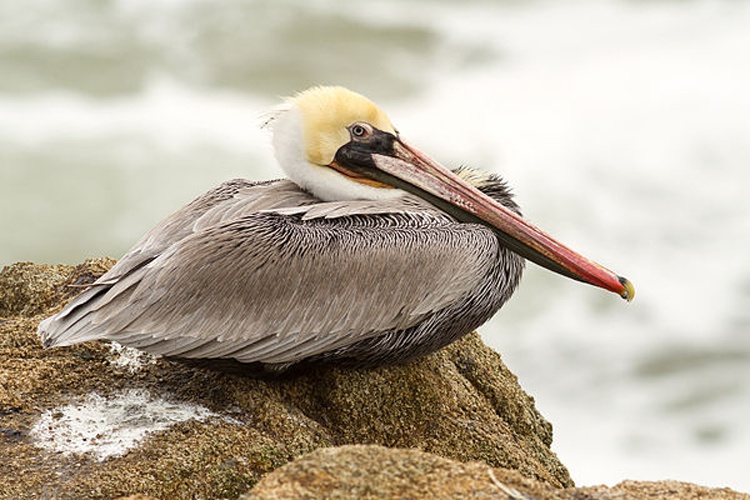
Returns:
point(453, 423)
point(369, 471)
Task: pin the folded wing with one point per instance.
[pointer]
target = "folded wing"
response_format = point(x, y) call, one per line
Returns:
point(265, 273)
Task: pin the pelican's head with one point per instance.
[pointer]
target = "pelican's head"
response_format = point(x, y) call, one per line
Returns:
point(311, 127)
point(339, 145)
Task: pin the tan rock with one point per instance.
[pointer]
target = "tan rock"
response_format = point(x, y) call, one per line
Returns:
point(453, 424)
point(460, 403)
point(375, 472)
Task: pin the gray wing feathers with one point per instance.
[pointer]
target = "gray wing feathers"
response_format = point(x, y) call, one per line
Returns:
point(225, 202)
point(234, 278)
point(66, 327)
point(336, 209)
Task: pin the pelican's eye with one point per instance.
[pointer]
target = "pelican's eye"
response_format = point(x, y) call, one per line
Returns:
point(360, 131)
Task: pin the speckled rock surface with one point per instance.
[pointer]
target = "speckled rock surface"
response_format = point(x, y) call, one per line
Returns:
point(363, 472)
point(455, 424)
point(460, 403)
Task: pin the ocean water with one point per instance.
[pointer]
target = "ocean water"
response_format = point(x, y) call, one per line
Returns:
point(623, 127)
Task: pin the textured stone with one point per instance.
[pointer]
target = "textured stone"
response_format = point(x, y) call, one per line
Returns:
point(454, 424)
point(375, 472)
point(460, 403)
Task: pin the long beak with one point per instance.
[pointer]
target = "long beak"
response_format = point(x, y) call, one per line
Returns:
point(413, 171)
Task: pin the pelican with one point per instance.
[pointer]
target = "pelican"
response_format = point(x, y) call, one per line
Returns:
point(370, 254)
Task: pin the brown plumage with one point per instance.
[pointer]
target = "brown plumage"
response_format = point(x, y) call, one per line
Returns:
point(371, 254)
point(266, 274)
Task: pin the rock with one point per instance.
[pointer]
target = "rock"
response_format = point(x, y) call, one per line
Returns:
point(369, 471)
point(96, 421)
point(27, 289)
point(460, 403)
point(666, 490)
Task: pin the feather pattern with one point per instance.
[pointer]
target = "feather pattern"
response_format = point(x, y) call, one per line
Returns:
point(265, 273)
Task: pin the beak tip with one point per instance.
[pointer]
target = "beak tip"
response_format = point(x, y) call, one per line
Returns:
point(628, 290)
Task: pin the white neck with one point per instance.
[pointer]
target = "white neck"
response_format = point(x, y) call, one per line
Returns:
point(322, 181)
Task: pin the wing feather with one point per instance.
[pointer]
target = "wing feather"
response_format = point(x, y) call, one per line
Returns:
point(238, 274)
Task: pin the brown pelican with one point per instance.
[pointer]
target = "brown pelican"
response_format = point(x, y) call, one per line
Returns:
point(371, 254)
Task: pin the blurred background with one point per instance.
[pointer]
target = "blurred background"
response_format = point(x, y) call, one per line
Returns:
point(623, 126)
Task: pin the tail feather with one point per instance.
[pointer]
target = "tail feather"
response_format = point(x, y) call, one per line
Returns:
point(80, 321)
point(65, 327)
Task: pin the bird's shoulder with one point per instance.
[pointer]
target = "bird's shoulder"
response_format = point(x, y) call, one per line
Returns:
point(244, 203)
